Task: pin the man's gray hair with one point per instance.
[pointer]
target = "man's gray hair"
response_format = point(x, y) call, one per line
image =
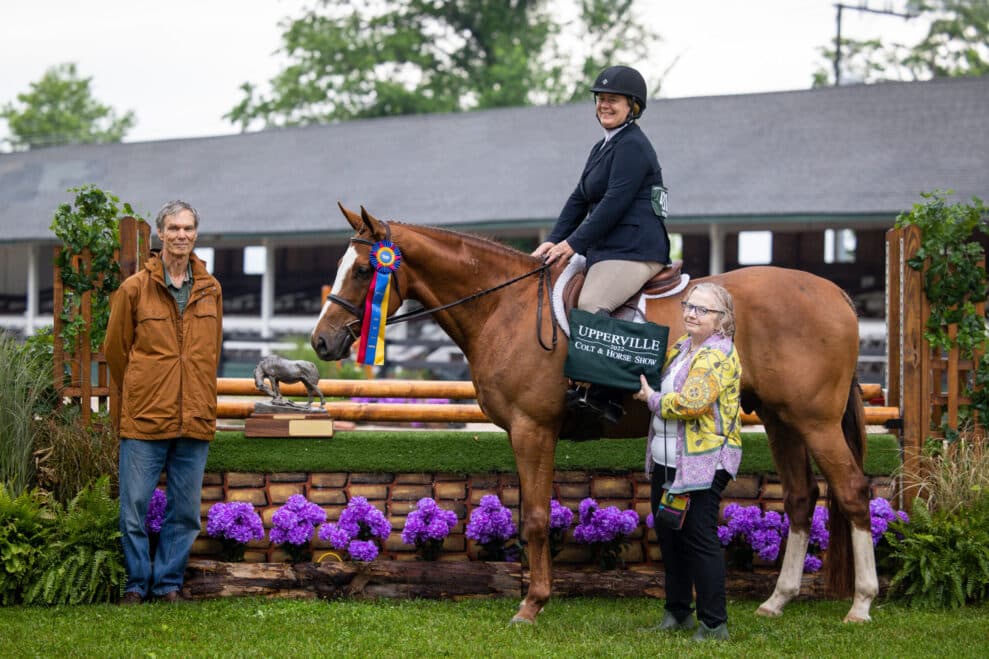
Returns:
point(172, 208)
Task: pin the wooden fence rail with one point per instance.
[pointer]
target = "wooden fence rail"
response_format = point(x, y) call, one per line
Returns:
point(422, 411)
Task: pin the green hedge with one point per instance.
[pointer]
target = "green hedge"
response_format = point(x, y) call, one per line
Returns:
point(468, 452)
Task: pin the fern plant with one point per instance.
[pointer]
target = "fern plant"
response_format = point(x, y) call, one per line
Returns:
point(83, 562)
point(943, 556)
point(24, 527)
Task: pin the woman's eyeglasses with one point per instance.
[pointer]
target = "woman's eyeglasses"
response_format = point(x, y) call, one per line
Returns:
point(700, 312)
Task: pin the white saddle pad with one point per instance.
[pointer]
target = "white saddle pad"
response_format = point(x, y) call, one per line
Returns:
point(638, 315)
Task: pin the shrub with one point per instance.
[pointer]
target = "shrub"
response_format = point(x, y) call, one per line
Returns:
point(70, 456)
point(560, 519)
point(82, 563)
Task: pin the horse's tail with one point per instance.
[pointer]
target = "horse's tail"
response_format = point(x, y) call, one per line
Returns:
point(840, 575)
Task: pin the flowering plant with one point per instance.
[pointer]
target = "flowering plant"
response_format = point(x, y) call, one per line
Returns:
point(427, 526)
point(818, 539)
point(884, 521)
point(607, 529)
point(560, 519)
point(359, 525)
point(491, 525)
point(293, 524)
point(235, 524)
point(156, 512)
point(750, 530)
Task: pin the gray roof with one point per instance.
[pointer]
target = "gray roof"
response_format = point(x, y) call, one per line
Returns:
point(853, 151)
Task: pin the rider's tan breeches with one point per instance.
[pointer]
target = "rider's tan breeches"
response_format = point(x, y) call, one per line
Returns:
point(609, 283)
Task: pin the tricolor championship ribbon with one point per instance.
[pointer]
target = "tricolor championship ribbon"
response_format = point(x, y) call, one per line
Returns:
point(385, 259)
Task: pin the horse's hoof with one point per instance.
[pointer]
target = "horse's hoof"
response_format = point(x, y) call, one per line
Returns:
point(856, 619)
point(519, 620)
point(766, 612)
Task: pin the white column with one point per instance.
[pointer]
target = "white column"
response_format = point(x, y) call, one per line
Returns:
point(716, 254)
point(267, 289)
point(32, 290)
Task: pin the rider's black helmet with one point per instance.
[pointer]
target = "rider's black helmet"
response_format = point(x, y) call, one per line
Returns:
point(626, 81)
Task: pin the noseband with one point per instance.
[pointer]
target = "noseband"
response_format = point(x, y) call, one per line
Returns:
point(358, 312)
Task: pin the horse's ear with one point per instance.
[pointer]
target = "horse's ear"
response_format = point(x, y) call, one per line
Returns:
point(376, 228)
point(352, 218)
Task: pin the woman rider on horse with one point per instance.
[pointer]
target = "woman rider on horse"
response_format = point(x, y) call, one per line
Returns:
point(609, 217)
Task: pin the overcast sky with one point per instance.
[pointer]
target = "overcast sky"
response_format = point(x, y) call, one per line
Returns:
point(179, 64)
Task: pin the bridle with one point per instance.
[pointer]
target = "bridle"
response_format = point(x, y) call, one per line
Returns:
point(358, 312)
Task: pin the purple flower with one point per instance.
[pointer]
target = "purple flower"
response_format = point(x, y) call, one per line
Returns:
point(295, 521)
point(812, 563)
point(560, 517)
point(428, 522)
point(608, 528)
point(359, 524)
point(819, 537)
point(363, 550)
point(156, 512)
point(490, 522)
point(882, 515)
point(236, 521)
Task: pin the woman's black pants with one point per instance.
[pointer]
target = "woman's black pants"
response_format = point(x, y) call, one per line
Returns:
point(693, 557)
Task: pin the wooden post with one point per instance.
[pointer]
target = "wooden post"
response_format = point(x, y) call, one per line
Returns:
point(894, 317)
point(915, 403)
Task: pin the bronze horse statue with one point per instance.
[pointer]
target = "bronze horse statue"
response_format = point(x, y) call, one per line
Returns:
point(797, 336)
point(278, 369)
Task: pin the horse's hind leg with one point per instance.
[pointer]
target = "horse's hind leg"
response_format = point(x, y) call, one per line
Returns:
point(849, 489)
point(800, 493)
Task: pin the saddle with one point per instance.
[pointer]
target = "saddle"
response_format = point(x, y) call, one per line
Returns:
point(665, 280)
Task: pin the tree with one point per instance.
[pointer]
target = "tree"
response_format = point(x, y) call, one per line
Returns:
point(60, 109)
point(385, 57)
point(956, 44)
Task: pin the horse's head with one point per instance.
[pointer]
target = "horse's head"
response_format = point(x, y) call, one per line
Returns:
point(339, 323)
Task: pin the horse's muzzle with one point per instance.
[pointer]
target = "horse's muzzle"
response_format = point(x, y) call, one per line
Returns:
point(331, 346)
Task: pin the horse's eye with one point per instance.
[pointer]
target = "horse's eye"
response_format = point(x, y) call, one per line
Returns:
point(364, 271)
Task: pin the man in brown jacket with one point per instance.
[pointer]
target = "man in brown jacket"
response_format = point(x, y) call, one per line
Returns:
point(163, 345)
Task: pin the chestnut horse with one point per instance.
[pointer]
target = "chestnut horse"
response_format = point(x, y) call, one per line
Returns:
point(797, 337)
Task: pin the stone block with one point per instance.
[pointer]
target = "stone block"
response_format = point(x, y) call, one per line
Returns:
point(369, 492)
point(212, 493)
point(743, 487)
point(280, 492)
point(510, 496)
point(484, 482)
point(453, 490)
point(254, 496)
point(571, 477)
point(288, 477)
point(414, 479)
point(213, 478)
point(611, 487)
point(326, 496)
point(335, 479)
point(240, 479)
point(576, 491)
point(364, 478)
point(411, 492)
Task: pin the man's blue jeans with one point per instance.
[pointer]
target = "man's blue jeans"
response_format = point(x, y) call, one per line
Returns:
point(141, 464)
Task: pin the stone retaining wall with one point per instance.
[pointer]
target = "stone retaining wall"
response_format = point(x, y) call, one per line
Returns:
point(396, 495)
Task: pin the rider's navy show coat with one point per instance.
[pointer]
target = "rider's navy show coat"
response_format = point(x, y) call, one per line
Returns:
point(609, 214)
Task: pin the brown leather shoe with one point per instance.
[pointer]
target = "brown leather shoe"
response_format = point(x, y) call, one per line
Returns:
point(131, 597)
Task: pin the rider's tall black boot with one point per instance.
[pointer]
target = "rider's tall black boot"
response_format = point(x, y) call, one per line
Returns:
point(605, 401)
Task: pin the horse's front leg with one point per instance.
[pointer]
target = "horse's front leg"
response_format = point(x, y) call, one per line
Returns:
point(534, 448)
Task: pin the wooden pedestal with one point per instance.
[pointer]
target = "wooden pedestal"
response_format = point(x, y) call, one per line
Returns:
point(288, 425)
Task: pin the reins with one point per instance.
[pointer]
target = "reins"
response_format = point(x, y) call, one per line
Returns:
point(544, 284)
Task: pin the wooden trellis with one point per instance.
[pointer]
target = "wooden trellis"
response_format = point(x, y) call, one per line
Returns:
point(927, 385)
point(88, 376)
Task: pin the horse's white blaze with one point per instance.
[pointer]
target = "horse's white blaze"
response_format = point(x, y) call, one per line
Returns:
point(866, 581)
point(788, 584)
point(346, 263)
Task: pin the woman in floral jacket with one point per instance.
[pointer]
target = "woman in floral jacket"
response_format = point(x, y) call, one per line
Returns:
point(694, 449)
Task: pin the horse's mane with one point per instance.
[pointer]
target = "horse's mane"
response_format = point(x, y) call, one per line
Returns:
point(477, 243)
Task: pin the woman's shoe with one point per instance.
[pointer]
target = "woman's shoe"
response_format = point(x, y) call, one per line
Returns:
point(705, 633)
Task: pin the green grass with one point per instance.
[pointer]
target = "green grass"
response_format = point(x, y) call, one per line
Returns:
point(579, 627)
point(462, 452)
